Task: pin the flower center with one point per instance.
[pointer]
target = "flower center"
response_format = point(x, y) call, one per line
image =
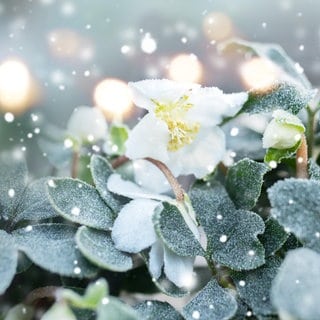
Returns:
point(182, 132)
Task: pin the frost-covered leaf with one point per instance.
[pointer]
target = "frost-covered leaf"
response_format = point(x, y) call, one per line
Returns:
point(98, 247)
point(59, 310)
point(79, 202)
point(286, 96)
point(156, 310)
point(20, 312)
point(241, 310)
point(35, 204)
point(101, 171)
point(53, 247)
point(232, 234)
point(173, 230)
point(295, 205)
point(13, 178)
point(273, 238)
point(244, 182)
point(8, 260)
point(296, 289)
point(254, 286)
point(211, 303)
point(314, 170)
point(277, 155)
point(92, 297)
point(277, 55)
point(113, 309)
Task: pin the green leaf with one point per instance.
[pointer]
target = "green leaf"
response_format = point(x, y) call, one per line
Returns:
point(13, 177)
point(8, 260)
point(98, 247)
point(244, 182)
point(156, 310)
point(278, 154)
point(285, 96)
point(232, 234)
point(20, 312)
point(314, 170)
point(79, 202)
point(212, 302)
point(174, 232)
point(59, 310)
point(295, 290)
point(295, 204)
point(101, 171)
point(92, 297)
point(273, 238)
point(254, 286)
point(118, 135)
point(53, 247)
point(113, 309)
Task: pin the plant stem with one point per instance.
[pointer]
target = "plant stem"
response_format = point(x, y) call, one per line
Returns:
point(41, 293)
point(310, 129)
point(302, 159)
point(75, 164)
point(175, 185)
point(118, 162)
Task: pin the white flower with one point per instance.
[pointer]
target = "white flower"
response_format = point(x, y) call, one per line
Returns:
point(87, 124)
point(180, 128)
point(283, 132)
point(133, 231)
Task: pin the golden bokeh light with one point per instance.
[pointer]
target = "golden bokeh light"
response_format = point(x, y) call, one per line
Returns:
point(217, 26)
point(185, 68)
point(258, 73)
point(17, 88)
point(113, 97)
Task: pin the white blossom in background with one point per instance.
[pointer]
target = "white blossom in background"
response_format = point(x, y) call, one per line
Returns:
point(283, 132)
point(180, 128)
point(87, 124)
point(133, 231)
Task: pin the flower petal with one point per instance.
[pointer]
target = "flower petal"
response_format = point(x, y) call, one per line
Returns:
point(149, 138)
point(131, 190)
point(202, 155)
point(133, 229)
point(178, 269)
point(163, 91)
point(156, 259)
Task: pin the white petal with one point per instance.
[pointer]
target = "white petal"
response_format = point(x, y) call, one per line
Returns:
point(163, 91)
point(149, 177)
point(202, 155)
point(131, 190)
point(178, 269)
point(156, 259)
point(149, 138)
point(133, 229)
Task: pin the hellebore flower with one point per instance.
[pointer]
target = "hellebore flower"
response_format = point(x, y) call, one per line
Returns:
point(180, 128)
point(133, 231)
point(283, 132)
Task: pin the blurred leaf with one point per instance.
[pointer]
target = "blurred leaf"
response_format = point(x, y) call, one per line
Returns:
point(156, 310)
point(295, 204)
point(295, 290)
point(232, 234)
point(20, 312)
point(53, 247)
point(174, 232)
point(98, 247)
point(79, 202)
point(101, 171)
point(254, 286)
point(118, 135)
point(59, 310)
point(244, 182)
point(212, 302)
point(8, 260)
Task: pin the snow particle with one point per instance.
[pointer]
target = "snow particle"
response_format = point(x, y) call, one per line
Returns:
point(223, 238)
point(148, 44)
point(105, 300)
point(196, 314)
point(76, 270)
point(242, 283)
point(251, 253)
point(68, 143)
point(8, 117)
point(75, 211)
point(11, 193)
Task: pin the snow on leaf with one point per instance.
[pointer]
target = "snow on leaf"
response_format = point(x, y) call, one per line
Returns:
point(295, 205)
point(242, 250)
point(97, 247)
point(314, 170)
point(212, 302)
point(295, 291)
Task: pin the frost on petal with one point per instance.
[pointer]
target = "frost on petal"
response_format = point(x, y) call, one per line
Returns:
point(178, 269)
point(202, 156)
point(149, 138)
point(131, 190)
point(133, 229)
point(156, 259)
point(163, 91)
point(87, 124)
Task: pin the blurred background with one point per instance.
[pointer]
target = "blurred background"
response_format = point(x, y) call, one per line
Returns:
point(56, 55)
